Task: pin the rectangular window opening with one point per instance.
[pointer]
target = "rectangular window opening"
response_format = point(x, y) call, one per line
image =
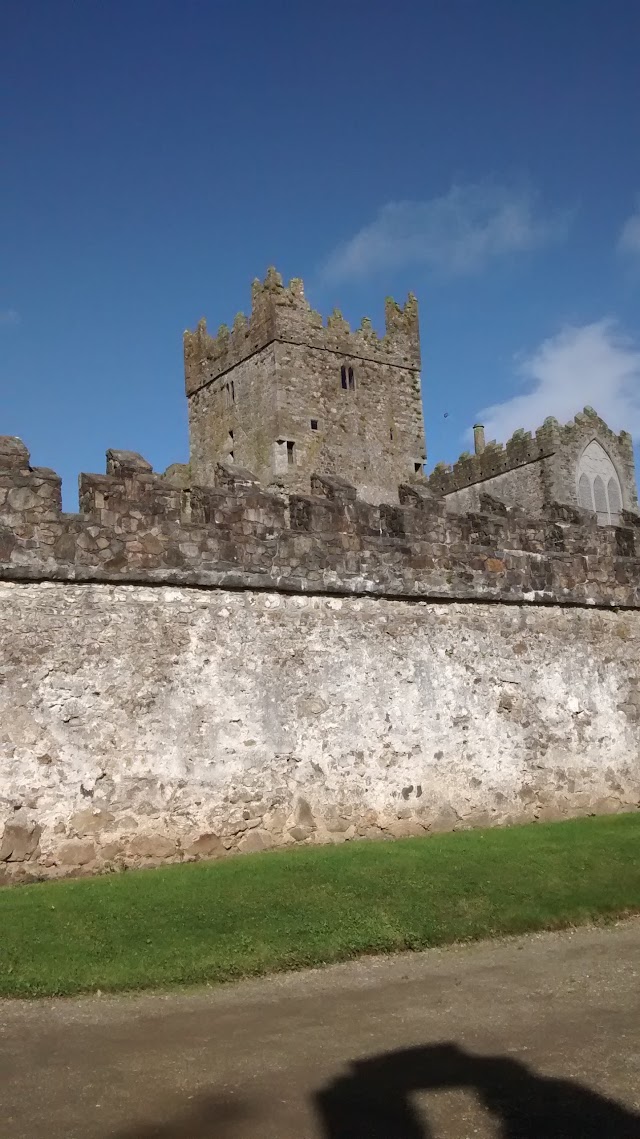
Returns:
point(314, 424)
point(343, 376)
point(233, 392)
point(352, 381)
point(391, 434)
point(290, 455)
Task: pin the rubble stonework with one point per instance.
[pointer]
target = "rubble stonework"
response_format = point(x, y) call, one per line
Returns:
point(287, 396)
point(190, 672)
point(532, 471)
point(196, 666)
point(144, 724)
point(136, 526)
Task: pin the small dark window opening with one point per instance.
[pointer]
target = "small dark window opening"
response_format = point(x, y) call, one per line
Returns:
point(314, 424)
point(352, 381)
point(391, 434)
point(417, 467)
point(290, 458)
point(343, 376)
point(231, 448)
point(233, 392)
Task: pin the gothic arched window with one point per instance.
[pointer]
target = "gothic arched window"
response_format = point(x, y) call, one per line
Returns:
point(585, 493)
point(600, 496)
point(613, 490)
point(598, 484)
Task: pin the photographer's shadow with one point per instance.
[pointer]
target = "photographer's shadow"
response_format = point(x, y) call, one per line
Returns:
point(373, 1100)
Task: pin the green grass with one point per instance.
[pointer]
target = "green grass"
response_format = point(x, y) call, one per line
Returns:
point(282, 910)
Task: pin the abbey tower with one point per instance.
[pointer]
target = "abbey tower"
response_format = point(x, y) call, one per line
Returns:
point(286, 397)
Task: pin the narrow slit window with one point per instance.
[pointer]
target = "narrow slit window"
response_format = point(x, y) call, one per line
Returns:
point(585, 496)
point(615, 504)
point(352, 380)
point(233, 392)
point(290, 453)
point(343, 376)
point(231, 446)
point(391, 434)
point(600, 496)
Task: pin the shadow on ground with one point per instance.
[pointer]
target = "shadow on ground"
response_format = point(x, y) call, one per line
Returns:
point(373, 1100)
point(207, 1117)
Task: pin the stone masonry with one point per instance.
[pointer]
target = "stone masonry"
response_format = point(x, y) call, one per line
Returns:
point(191, 668)
point(190, 672)
point(532, 472)
point(287, 397)
point(143, 723)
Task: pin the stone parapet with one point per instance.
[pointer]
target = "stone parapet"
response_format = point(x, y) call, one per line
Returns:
point(137, 526)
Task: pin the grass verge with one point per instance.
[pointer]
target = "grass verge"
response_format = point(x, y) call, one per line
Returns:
point(286, 909)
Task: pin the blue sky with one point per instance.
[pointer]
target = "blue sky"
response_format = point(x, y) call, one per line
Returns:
point(160, 154)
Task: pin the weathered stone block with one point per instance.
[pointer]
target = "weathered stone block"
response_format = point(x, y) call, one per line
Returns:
point(205, 846)
point(151, 846)
point(14, 456)
point(254, 841)
point(90, 821)
point(19, 840)
point(75, 852)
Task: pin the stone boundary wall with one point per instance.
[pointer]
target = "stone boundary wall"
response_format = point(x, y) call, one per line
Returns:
point(142, 725)
point(136, 526)
point(341, 671)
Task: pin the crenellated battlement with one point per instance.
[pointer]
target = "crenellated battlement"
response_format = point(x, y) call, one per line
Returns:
point(282, 312)
point(138, 526)
point(525, 447)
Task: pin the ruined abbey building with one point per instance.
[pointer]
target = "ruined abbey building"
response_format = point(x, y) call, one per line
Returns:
point(298, 637)
point(288, 397)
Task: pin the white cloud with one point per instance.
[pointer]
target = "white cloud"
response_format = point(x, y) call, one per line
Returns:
point(9, 316)
point(594, 365)
point(457, 233)
point(629, 240)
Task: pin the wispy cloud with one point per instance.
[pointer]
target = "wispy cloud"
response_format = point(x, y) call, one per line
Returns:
point(458, 233)
point(629, 240)
point(9, 316)
point(595, 365)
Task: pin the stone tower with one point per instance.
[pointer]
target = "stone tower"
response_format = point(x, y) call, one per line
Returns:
point(286, 396)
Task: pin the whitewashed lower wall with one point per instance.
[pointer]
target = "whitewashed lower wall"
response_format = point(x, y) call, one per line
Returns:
point(140, 724)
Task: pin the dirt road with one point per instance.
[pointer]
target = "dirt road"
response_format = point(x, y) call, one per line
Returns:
point(538, 1036)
